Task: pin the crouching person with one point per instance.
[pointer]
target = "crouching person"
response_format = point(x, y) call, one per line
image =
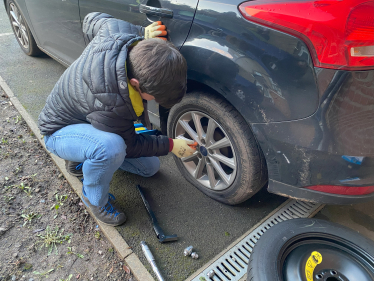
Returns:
point(89, 115)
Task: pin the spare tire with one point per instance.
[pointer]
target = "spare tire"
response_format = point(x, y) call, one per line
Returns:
point(311, 250)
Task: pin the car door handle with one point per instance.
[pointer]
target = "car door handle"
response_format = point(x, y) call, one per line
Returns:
point(149, 10)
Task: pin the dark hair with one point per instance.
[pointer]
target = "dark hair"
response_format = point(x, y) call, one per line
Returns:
point(160, 69)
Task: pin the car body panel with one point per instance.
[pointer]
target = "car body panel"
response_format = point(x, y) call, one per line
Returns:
point(310, 122)
point(57, 27)
point(309, 195)
point(178, 26)
point(264, 73)
point(334, 146)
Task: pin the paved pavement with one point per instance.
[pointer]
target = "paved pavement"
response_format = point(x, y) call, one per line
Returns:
point(199, 221)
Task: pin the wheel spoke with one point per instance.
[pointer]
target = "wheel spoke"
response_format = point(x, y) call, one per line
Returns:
point(225, 160)
point(24, 40)
point(189, 158)
point(12, 13)
point(199, 129)
point(181, 137)
point(23, 28)
point(24, 36)
point(17, 32)
point(220, 171)
point(212, 179)
point(20, 38)
point(15, 24)
point(210, 131)
point(220, 144)
point(189, 131)
point(198, 173)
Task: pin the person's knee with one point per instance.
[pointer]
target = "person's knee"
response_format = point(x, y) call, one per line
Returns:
point(152, 167)
point(113, 148)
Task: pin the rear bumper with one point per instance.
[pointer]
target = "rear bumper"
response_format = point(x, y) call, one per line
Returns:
point(316, 196)
point(334, 146)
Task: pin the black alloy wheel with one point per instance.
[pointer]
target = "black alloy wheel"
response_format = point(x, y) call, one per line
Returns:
point(311, 250)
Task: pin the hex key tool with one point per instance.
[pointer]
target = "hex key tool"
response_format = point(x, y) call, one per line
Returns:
point(162, 238)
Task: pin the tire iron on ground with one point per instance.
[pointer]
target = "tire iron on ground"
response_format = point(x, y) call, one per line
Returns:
point(162, 238)
point(148, 254)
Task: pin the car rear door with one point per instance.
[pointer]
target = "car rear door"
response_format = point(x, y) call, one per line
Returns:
point(176, 15)
point(57, 27)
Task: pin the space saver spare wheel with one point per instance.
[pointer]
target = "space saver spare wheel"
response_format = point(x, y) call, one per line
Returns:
point(228, 164)
point(311, 250)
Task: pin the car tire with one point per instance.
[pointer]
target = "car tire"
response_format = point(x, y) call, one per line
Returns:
point(291, 250)
point(21, 30)
point(250, 166)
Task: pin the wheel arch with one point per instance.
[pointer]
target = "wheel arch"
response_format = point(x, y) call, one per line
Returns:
point(195, 85)
point(218, 73)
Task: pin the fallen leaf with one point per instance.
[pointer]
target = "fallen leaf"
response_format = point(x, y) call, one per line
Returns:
point(126, 269)
point(111, 269)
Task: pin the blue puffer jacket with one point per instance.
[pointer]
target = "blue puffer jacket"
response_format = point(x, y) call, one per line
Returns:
point(94, 88)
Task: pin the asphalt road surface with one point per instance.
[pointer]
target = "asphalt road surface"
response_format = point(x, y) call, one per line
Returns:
point(181, 209)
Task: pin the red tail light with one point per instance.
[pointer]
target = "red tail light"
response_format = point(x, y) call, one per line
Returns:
point(343, 190)
point(338, 33)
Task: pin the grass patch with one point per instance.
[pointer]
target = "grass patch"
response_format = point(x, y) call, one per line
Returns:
point(53, 237)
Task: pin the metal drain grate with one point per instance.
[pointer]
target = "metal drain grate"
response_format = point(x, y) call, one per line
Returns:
point(233, 264)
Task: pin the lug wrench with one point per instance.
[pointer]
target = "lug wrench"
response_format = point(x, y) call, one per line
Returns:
point(148, 254)
point(162, 238)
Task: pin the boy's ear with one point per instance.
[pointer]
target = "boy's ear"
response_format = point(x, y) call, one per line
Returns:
point(135, 83)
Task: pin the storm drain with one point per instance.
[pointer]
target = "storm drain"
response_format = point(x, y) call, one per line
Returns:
point(233, 264)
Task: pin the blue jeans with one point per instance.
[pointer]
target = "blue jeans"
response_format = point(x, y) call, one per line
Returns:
point(102, 154)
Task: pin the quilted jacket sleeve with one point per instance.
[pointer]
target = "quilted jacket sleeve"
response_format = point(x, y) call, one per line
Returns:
point(93, 22)
point(138, 145)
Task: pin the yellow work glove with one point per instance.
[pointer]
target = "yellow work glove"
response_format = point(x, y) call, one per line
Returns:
point(182, 148)
point(154, 30)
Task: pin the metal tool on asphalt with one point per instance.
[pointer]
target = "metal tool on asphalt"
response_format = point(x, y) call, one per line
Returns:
point(148, 254)
point(187, 251)
point(162, 238)
point(194, 255)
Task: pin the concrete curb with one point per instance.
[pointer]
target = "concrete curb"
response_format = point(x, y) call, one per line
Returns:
point(122, 248)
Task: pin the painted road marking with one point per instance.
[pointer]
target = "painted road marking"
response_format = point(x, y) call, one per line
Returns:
point(6, 34)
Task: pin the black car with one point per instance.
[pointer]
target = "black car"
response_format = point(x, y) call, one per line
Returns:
point(280, 93)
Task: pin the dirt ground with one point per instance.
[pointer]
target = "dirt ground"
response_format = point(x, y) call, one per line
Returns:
point(45, 231)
